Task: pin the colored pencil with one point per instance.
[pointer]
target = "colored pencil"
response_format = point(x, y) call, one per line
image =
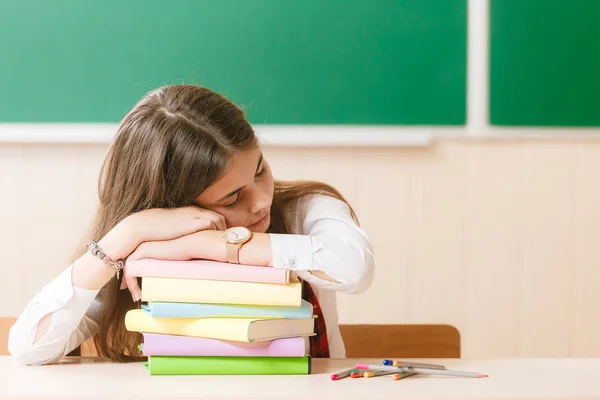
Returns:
point(448, 372)
point(399, 363)
point(402, 375)
point(342, 374)
point(372, 374)
point(428, 371)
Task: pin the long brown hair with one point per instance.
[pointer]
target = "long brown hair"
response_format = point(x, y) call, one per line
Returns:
point(168, 149)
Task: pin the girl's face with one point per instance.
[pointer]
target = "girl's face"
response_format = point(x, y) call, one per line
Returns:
point(244, 194)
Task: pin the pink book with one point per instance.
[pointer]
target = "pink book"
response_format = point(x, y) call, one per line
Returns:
point(171, 345)
point(207, 270)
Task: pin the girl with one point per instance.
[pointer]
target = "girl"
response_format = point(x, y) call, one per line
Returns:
point(184, 167)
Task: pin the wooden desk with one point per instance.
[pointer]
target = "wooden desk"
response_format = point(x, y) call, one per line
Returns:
point(567, 379)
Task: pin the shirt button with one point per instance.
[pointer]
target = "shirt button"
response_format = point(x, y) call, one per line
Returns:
point(56, 304)
point(293, 263)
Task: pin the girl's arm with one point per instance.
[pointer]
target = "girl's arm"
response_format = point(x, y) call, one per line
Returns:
point(333, 252)
point(56, 321)
point(210, 245)
point(64, 313)
point(331, 243)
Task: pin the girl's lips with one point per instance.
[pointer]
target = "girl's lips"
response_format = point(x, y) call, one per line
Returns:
point(260, 221)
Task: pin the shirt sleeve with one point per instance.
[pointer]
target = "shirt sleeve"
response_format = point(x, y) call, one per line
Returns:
point(330, 242)
point(74, 314)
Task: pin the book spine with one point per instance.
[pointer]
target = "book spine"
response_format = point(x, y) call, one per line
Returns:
point(207, 270)
point(171, 345)
point(220, 292)
point(167, 365)
point(199, 310)
point(233, 329)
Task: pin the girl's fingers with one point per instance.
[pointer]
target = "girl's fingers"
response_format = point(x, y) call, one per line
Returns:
point(132, 285)
point(131, 282)
point(223, 224)
point(203, 224)
point(217, 218)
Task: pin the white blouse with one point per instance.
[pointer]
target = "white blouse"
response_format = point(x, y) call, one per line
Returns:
point(325, 238)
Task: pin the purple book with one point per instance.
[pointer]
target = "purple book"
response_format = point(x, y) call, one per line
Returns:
point(172, 345)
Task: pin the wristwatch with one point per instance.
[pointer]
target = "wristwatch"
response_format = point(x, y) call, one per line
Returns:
point(234, 239)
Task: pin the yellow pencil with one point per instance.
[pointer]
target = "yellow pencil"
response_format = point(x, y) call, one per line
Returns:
point(402, 375)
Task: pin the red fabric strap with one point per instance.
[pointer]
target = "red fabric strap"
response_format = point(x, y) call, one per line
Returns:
point(319, 345)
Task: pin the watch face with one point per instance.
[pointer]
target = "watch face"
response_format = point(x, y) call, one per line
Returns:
point(237, 234)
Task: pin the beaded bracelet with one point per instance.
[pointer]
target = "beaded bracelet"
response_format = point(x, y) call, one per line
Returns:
point(96, 251)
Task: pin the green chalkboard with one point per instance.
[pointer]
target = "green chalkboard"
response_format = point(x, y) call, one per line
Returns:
point(545, 62)
point(284, 61)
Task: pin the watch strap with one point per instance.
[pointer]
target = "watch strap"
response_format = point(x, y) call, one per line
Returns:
point(233, 253)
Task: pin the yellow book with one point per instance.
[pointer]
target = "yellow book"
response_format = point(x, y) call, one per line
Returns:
point(179, 290)
point(232, 329)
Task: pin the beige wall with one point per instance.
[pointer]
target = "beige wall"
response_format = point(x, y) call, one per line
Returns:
point(496, 238)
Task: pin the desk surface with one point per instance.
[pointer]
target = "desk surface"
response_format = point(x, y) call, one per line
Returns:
point(509, 379)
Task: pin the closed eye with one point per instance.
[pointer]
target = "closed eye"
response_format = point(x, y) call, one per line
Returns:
point(261, 172)
point(235, 202)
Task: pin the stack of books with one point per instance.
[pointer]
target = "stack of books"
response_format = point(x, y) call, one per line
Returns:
point(210, 318)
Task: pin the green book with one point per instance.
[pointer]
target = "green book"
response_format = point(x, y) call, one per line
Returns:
point(185, 365)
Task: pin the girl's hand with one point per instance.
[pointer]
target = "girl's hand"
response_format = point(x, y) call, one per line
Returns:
point(178, 248)
point(158, 224)
point(166, 224)
point(175, 249)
